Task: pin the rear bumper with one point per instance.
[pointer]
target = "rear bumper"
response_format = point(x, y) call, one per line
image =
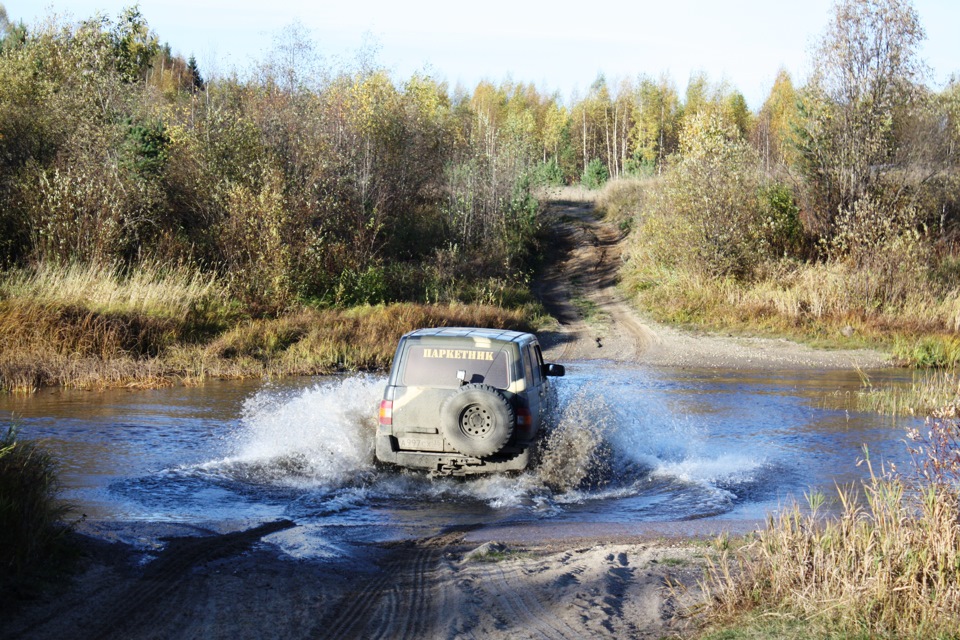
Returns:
point(513, 457)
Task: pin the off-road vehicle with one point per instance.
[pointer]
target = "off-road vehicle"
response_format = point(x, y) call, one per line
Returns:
point(464, 401)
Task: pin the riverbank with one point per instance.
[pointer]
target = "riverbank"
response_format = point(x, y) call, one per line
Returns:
point(493, 584)
point(90, 328)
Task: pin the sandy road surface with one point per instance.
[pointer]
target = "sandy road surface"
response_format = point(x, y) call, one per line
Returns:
point(444, 586)
point(536, 581)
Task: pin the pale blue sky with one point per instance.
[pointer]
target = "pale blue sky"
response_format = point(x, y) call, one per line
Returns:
point(559, 46)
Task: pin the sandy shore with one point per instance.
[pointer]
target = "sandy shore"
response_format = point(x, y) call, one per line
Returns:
point(540, 580)
point(617, 583)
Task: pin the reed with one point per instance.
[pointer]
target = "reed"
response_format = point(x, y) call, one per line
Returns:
point(928, 391)
point(887, 566)
point(67, 338)
point(30, 512)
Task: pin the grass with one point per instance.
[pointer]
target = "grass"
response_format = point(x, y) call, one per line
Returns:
point(887, 567)
point(589, 311)
point(928, 391)
point(622, 200)
point(569, 193)
point(821, 304)
point(153, 289)
point(94, 327)
point(773, 627)
point(30, 513)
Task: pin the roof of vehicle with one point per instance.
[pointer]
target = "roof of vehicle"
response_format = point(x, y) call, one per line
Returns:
point(469, 332)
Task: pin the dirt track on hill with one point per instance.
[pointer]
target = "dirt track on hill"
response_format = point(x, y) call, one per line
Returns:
point(596, 322)
point(527, 581)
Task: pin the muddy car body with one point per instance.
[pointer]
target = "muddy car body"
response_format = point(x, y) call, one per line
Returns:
point(464, 401)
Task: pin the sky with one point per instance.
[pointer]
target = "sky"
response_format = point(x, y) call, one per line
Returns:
point(559, 46)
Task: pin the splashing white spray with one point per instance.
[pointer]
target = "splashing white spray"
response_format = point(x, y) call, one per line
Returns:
point(608, 440)
point(318, 437)
point(576, 451)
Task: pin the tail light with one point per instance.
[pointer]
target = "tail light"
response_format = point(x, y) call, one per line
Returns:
point(524, 418)
point(386, 412)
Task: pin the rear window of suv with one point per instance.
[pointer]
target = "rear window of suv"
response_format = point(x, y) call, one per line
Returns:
point(437, 366)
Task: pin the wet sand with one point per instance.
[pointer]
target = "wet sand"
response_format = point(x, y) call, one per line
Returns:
point(540, 581)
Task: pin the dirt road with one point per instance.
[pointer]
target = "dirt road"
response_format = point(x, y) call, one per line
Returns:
point(527, 581)
point(595, 322)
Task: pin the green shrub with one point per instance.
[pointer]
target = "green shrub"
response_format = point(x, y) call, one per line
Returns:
point(548, 174)
point(778, 227)
point(595, 174)
point(705, 212)
point(30, 514)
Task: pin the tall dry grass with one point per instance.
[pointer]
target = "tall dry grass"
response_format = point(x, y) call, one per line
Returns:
point(152, 289)
point(831, 304)
point(314, 341)
point(622, 200)
point(94, 326)
point(567, 193)
point(887, 567)
point(91, 328)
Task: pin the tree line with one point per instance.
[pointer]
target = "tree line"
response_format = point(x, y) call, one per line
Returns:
point(298, 182)
point(302, 182)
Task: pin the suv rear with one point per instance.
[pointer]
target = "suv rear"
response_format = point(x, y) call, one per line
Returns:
point(464, 401)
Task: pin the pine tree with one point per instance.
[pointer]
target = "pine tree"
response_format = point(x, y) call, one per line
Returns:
point(194, 70)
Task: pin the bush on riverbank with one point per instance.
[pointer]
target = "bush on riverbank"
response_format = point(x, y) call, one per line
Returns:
point(720, 242)
point(887, 566)
point(90, 327)
point(286, 184)
point(30, 512)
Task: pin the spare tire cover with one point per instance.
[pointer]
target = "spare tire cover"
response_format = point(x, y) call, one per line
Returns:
point(477, 420)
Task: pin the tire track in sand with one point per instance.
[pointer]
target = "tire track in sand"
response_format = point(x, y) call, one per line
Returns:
point(399, 601)
point(153, 602)
point(525, 610)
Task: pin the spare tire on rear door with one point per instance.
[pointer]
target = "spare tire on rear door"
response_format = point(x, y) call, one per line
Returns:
point(477, 420)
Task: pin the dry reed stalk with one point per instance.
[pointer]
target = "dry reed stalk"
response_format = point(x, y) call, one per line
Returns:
point(888, 565)
point(51, 345)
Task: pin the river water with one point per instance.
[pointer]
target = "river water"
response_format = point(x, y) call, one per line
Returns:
point(628, 445)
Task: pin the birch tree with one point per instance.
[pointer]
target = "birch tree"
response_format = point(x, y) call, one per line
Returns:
point(866, 78)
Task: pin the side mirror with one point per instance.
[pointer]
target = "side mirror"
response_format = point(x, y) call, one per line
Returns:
point(555, 370)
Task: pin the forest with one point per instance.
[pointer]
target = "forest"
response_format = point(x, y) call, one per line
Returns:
point(163, 207)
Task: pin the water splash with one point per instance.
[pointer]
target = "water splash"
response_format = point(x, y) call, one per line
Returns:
point(319, 437)
point(616, 439)
point(577, 451)
point(605, 440)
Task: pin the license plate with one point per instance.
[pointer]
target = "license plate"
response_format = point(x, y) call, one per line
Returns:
point(420, 444)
